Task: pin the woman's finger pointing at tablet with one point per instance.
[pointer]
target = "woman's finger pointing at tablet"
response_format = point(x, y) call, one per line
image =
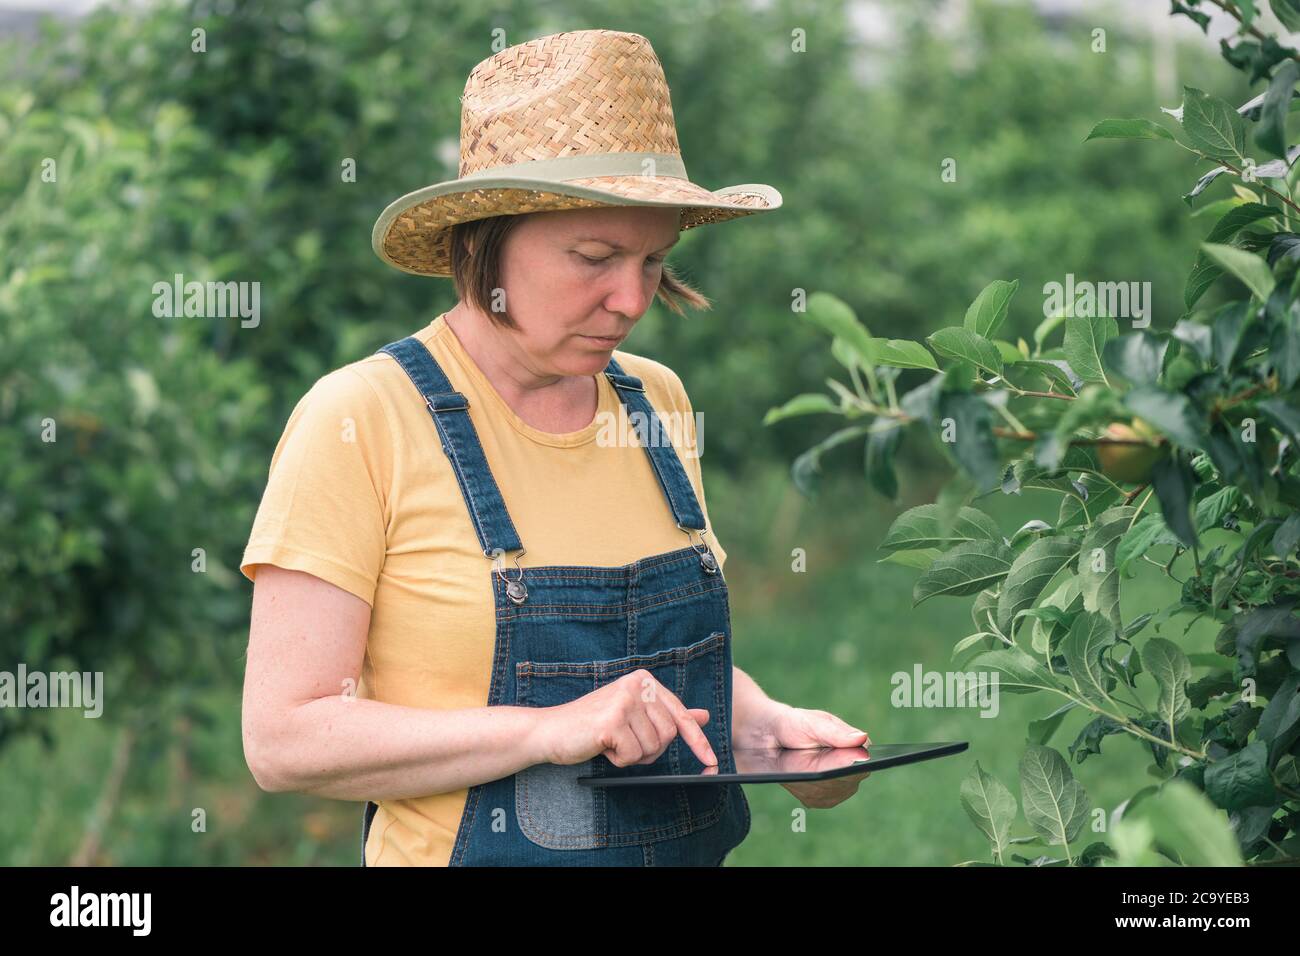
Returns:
point(687, 722)
point(630, 720)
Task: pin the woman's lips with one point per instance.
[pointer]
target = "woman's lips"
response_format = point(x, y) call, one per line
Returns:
point(608, 342)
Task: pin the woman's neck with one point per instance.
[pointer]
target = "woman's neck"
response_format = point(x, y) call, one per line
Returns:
point(547, 402)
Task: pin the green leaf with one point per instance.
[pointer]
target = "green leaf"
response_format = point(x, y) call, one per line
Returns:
point(967, 419)
point(1098, 574)
point(1284, 347)
point(919, 527)
point(1204, 272)
point(807, 467)
point(1279, 725)
point(967, 568)
point(1241, 780)
point(1031, 529)
point(966, 643)
point(1203, 183)
point(902, 353)
point(986, 314)
point(1183, 822)
point(990, 806)
point(1172, 480)
point(1137, 357)
point(1285, 417)
point(1084, 340)
point(1287, 537)
point(1212, 509)
point(1201, 19)
point(1076, 509)
point(1213, 126)
point(1165, 661)
point(1041, 731)
point(879, 464)
point(1009, 353)
point(1197, 337)
point(1141, 538)
point(1128, 129)
point(1218, 208)
point(1028, 474)
point(1171, 412)
point(966, 346)
point(1249, 268)
point(1270, 134)
point(1055, 615)
point(1046, 327)
point(1287, 12)
point(805, 404)
point(1056, 805)
point(845, 354)
point(1058, 378)
point(1090, 737)
point(1273, 620)
point(919, 558)
point(1228, 333)
point(1030, 574)
point(1088, 639)
point(834, 316)
point(984, 609)
point(1018, 673)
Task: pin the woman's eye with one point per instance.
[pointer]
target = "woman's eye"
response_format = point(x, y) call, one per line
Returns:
point(595, 261)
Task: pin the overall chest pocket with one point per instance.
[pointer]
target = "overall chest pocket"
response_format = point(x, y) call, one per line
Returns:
point(557, 812)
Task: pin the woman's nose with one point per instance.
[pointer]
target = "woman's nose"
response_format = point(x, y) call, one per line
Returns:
point(633, 292)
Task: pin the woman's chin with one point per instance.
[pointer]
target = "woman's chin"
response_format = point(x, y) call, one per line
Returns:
point(589, 362)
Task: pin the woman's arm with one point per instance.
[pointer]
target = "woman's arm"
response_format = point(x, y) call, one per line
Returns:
point(304, 730)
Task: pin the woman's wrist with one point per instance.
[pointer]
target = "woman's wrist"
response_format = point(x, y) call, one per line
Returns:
point(754, 714)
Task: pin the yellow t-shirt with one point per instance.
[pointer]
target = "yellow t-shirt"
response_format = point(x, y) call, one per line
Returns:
point(362, 495)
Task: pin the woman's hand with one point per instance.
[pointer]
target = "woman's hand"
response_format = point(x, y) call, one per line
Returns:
point(629, 721)
point(781, 725)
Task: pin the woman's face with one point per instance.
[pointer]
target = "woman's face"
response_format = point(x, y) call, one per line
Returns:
point(574, 276)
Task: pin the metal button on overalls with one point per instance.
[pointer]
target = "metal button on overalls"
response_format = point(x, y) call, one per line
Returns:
point(562, 631)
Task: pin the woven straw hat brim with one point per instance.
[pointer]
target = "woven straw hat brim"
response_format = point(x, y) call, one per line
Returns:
point(413, 233)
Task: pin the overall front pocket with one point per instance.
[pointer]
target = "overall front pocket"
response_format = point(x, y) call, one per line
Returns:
point(555, 811)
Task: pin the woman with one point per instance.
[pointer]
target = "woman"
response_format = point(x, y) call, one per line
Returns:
point(390, 546)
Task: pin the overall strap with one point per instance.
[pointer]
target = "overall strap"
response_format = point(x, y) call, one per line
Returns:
point(663, 457)
point(450, 411)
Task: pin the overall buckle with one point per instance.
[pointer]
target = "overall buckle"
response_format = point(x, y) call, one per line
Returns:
point(707, 559)
point(516, 590)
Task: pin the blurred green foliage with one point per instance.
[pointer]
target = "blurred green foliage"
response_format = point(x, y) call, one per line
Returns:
point(226, 165)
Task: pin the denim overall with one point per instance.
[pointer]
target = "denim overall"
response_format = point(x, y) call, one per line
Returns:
point(565, 630)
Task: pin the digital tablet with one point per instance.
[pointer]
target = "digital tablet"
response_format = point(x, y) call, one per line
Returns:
point(784, 765)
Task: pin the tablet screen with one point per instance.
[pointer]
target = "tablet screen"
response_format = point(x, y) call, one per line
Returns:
point(780, 765)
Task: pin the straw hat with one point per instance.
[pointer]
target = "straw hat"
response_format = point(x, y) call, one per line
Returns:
point(567, 121)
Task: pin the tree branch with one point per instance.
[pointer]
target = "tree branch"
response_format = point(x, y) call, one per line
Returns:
point(1231, 10)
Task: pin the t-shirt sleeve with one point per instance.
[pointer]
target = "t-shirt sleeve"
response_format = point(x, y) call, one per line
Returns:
point(690, 455)
point(326, 504)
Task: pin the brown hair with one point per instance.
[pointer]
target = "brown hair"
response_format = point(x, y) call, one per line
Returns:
point(476, 273)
